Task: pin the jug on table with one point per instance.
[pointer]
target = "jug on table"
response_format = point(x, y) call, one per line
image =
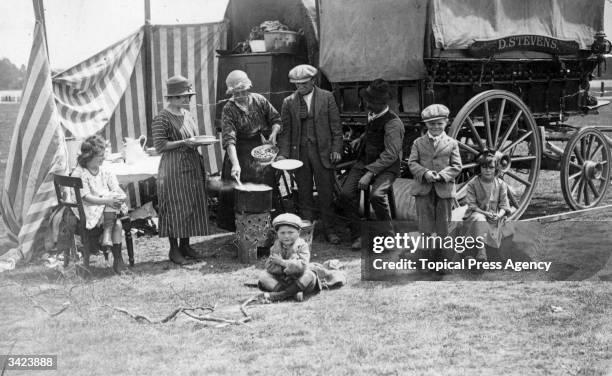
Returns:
point(134, 149)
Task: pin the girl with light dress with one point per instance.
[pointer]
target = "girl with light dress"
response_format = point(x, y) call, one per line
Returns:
point(102, 197)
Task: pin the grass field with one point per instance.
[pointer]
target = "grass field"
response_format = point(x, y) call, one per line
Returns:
point(460, 325)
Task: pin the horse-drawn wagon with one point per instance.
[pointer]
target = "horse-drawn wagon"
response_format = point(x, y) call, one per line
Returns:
point(512, 72)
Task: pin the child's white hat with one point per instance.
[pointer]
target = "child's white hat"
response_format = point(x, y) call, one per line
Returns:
point(434, 112)
point(287, 219)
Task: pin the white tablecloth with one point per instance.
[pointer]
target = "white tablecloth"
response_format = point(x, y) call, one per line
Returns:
point(132, 173)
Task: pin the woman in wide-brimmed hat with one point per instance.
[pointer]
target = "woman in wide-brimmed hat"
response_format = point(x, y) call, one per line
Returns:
point(248, 120)
point(181, 178)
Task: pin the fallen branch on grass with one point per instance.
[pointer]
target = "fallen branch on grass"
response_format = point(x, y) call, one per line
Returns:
point(66, 305)
point(188, 311)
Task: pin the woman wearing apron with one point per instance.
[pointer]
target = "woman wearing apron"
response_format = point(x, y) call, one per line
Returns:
point(248, 121)
point(181, 178)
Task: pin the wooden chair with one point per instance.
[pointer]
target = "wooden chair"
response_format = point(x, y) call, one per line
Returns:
point(89, 238)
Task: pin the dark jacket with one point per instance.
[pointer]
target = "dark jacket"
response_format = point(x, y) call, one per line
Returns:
point(327, 126)
point(381, 146)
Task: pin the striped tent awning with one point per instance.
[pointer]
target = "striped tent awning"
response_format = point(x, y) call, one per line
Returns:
point(107, 91)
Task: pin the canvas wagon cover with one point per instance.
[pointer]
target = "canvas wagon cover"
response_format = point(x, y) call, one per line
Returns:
point(456, 23)
point(362, 40)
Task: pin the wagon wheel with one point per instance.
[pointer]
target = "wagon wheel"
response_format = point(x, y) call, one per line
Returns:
point(499, 121)
point(585, 169)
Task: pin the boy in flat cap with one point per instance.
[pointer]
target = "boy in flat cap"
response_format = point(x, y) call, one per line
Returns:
point(435, 163)
point(287, 274)
point(378, 164)
point(312, 134)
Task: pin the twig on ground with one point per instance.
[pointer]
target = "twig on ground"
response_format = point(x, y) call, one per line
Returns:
point(188, 311)
point(66, 305)
point(216, 319)
point(244, 305)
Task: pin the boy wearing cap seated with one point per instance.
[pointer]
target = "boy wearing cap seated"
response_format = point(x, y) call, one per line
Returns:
point(435, 163)
point(287, 273)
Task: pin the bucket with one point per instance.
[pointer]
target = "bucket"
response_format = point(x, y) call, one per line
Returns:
point(281, 41)
point(257, 45)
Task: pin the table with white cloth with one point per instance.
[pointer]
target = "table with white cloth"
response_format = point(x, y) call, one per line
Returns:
point(144, 168)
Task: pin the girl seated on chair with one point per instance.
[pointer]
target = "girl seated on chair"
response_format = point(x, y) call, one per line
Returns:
point(487, 200)
point(102, 197)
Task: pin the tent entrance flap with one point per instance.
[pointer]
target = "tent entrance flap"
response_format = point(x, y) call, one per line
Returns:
point(362, 40)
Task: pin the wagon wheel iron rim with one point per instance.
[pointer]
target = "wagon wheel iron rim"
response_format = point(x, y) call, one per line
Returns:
point(585, 169)
point(499, 121)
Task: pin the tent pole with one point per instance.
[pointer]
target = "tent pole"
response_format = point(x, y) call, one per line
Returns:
point(39, 14)
point(318, 12)
point(148, 71)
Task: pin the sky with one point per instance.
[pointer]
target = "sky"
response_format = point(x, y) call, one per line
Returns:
point(78, 29)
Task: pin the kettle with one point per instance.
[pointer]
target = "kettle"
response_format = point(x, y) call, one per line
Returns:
point(134, 149)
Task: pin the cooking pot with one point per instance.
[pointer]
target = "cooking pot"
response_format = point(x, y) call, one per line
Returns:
point(252, 198)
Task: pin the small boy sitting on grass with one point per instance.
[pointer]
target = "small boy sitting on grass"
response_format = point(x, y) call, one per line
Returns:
point(287, 274)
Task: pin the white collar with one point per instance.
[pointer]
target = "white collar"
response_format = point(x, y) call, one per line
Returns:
point(372, 117)
point(438, 138)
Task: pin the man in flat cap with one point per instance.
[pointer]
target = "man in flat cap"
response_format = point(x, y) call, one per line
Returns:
point(378, 163)
point(312, 134)
point(434, 162)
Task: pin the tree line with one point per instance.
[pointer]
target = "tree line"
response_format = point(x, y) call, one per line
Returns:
point(11, 77)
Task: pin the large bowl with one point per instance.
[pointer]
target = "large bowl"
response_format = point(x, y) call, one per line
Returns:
point(264, 154)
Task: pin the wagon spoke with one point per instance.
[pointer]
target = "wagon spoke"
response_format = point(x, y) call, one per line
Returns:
point(518, 141)
point(510, 129)
point(468, 148)
point(463, 188)
point(487, 123)
point(520, 158)
point(468, 166)
point(475, 132)
point(587, 152)
point(518, 178)
point(580, 189)
point(572, 177)
point(576, 188)
point(596, 151)
point(593, 188)
point(578, 155)
point(512, 199)
point(575, 165)
point(585, 190)
point(499, 121)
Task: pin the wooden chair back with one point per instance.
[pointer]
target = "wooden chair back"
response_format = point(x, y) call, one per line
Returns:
point(62, 181)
